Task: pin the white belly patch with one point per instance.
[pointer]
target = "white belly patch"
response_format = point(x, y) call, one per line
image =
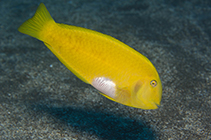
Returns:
point(105, 86)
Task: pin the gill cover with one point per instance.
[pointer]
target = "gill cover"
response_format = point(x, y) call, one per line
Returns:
point(143, 95)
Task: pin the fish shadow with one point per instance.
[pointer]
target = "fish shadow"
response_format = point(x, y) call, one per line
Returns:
point(102, 124)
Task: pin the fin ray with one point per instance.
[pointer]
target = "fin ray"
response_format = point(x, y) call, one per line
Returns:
point(35, 25)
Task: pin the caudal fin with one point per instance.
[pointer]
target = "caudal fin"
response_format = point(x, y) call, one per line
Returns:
point(36, 24)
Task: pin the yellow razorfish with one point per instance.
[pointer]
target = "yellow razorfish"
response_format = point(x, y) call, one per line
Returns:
point(119, 72)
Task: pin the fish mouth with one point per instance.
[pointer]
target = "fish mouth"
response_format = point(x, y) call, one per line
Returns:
point(149, 106)
point(153, 105)
point(157, 105)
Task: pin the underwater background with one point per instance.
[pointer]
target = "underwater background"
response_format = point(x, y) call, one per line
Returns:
point(41, 99)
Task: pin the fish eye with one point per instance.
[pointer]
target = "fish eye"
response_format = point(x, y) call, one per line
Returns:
point(153, 83)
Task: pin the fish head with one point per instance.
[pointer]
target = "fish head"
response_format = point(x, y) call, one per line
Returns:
point(147, 93)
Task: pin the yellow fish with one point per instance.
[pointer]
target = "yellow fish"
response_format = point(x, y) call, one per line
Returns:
point(119, 72)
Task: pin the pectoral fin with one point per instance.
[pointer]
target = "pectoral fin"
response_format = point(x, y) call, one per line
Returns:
point(122, 96)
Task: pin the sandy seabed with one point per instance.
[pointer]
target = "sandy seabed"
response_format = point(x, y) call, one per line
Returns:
point(41, 99)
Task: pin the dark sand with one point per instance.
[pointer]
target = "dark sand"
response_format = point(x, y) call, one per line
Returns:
point(41, 99)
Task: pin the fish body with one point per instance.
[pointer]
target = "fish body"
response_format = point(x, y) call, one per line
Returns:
point(119, 72)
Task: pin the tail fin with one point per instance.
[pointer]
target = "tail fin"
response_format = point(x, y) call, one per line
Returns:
point(35, 25)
